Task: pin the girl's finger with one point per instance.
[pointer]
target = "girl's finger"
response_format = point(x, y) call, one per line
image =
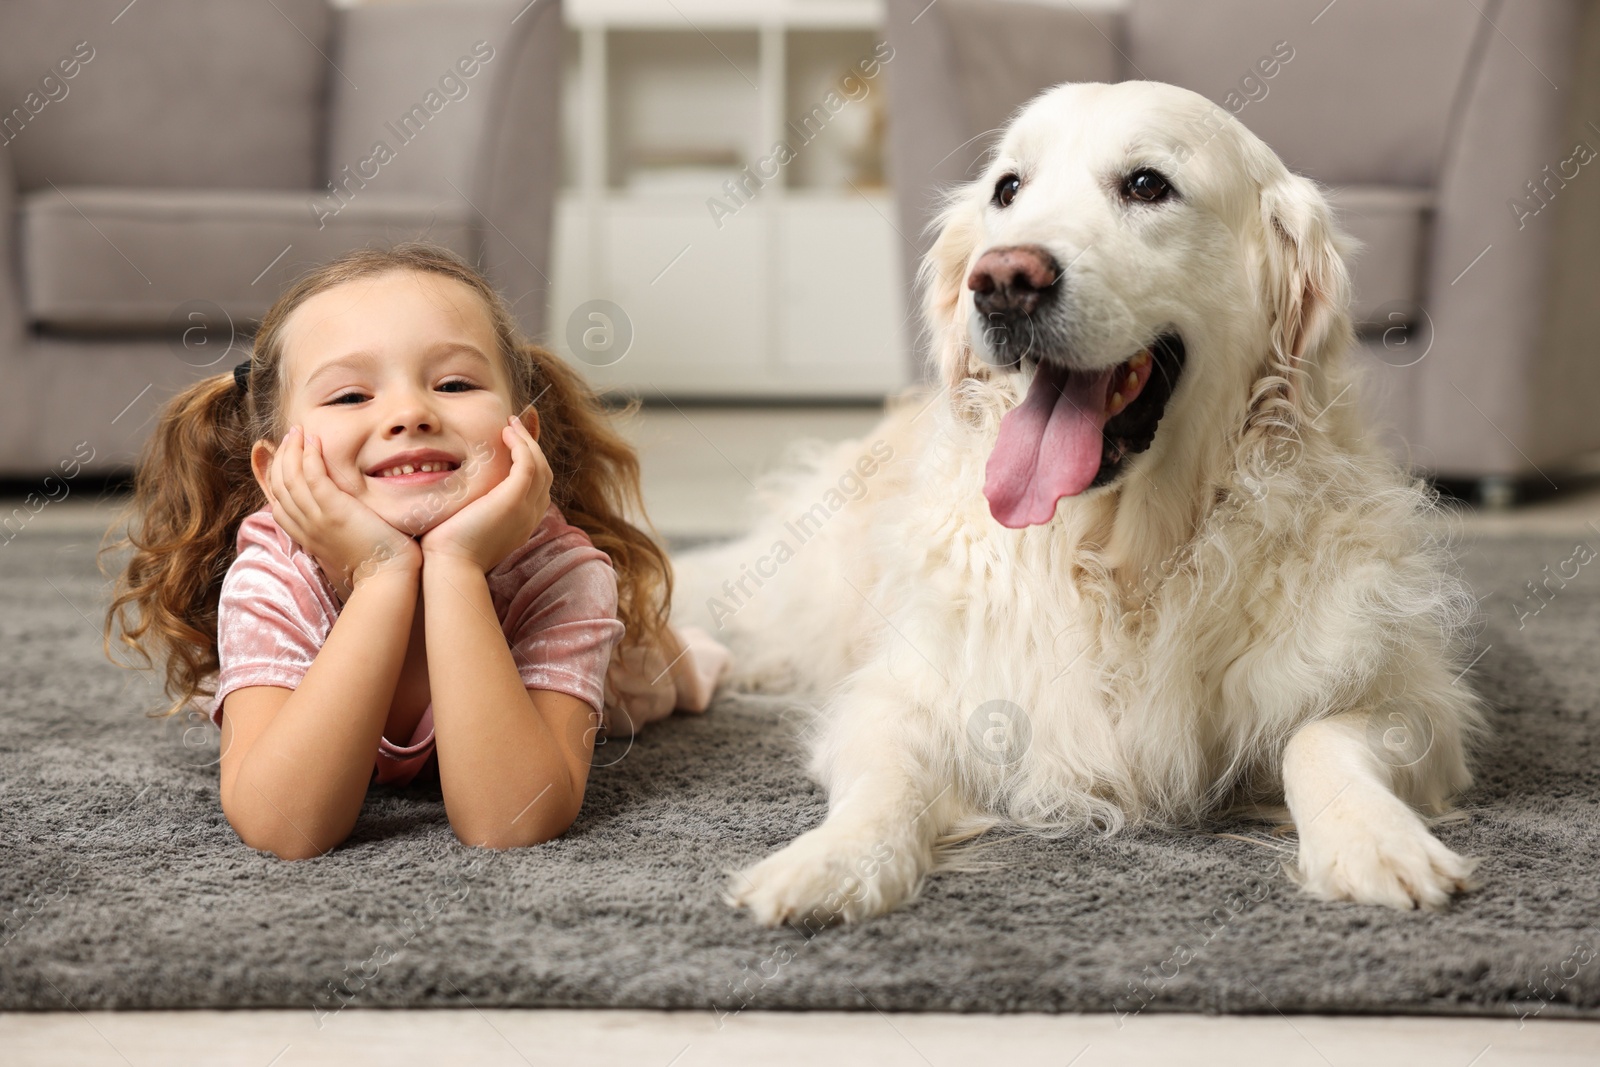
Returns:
point(280, 492)
point(518, 431)
point(285, 511)
point(520, 457)
point(526, 435)
point(531, 441)
point(285, 523)
point(315, 470)
point(293, 477)
point(541, 465)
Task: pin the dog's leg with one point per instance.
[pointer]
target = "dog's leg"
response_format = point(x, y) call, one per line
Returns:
point(1358, 840)
point(885, 811)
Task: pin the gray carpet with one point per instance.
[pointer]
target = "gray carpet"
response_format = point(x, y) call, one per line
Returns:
point(124, 887)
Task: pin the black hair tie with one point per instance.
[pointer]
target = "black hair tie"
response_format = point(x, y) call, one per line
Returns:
point(241, 377)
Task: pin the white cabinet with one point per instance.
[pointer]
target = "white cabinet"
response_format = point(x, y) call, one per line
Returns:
point(833, 315)
point(724, 216)
point(698, 298)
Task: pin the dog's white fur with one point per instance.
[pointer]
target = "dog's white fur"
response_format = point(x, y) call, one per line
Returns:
point(1260, 610)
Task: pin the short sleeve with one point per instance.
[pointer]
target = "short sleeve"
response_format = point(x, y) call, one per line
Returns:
point(563, 623)
point(271, 622)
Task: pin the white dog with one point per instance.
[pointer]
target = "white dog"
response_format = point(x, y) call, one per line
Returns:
point(1137, 559)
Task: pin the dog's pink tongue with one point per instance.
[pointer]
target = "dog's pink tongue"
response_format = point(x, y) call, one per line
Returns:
point(1049, 446)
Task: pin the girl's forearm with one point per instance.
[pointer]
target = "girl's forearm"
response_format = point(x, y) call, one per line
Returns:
point(303, 782)
point(508, 776)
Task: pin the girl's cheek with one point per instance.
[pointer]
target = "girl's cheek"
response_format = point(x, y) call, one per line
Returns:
point(344, 474)
point(491, 464)
point(353, 480)
point(484, 455)
point(502, 460)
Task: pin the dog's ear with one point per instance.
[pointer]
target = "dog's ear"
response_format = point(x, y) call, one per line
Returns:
point(1306, 290)
point(943, 278)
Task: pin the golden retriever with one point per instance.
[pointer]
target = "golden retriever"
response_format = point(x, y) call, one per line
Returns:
point(1137, 558)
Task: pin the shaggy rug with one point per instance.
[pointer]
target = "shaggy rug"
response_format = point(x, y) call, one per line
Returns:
point(123, 886)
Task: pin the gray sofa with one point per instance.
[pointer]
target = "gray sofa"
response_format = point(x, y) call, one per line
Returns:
point(168, 167)
point(1446, 133)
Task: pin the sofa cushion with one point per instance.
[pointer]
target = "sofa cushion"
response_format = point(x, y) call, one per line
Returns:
point(164, 93)
point(1355, 92)
point(427, 76)
point(97, 259)
point(1002, 55)
point(1391, 223)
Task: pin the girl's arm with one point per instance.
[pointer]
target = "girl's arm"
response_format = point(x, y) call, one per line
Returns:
point(296, 764)
point(513, 762)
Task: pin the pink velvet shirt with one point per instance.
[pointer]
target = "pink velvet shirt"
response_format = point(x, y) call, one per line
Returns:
point(556, 600)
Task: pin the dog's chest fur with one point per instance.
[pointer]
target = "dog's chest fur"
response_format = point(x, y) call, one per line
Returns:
point(1050, 712)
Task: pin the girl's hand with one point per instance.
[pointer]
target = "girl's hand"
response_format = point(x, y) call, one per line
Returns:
point(349, 541)
point(490, 528)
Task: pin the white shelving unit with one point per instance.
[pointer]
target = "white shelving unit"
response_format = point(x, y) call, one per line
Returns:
point(738, 270)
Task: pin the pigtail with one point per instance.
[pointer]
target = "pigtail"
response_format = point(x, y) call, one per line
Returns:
point(596, 485)
point(192, 489)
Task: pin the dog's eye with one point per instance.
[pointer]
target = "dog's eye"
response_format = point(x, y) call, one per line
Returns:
point(1005, 190)
point(1146, 185)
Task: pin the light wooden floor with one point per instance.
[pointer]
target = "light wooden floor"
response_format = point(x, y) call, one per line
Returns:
point(781, 1039)
point(697, 464)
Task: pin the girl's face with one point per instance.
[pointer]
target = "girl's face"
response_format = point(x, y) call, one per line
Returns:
point(385, 367)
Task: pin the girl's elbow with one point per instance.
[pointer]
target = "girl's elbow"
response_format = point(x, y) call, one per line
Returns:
point(521, 832)
point(293, 852)
point(285, 848)
point(284, 843)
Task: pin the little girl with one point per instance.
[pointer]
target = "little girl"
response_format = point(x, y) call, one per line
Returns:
point(396, 534)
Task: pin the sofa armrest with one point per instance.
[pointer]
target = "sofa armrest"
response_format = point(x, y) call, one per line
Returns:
point(519, 168)
point(960, 69)
point(464, 100)
point(1500, 398)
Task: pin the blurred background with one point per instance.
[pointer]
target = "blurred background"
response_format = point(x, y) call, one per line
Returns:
point(717, 205)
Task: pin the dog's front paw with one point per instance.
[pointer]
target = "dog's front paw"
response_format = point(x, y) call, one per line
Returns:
point(823, 877)
point(1373, 849)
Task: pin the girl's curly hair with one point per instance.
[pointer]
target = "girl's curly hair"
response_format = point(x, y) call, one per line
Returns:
point(193, 485)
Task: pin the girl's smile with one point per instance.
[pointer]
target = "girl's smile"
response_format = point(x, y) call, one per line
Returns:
point(422, 466)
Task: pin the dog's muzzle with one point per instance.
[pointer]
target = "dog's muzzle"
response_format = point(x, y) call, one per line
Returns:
point(1013, 288)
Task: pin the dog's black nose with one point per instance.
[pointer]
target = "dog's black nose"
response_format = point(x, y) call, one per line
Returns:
point(1014, 279)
